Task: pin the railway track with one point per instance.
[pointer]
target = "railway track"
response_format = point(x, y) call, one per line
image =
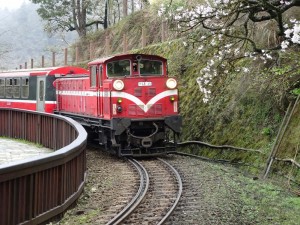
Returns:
point(209, 196)
point(159, 192)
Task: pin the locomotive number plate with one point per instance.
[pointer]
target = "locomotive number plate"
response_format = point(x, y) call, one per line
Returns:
point(142, 84)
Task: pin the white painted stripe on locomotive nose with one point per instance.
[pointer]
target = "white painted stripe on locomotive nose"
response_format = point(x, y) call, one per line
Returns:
point(152, 101)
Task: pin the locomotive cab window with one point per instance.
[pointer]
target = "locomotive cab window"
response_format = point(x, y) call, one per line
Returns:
point(150, 67)
point(93, 76)
point(118, 68)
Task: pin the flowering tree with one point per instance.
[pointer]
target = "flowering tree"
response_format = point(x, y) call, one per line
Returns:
point(236, 29)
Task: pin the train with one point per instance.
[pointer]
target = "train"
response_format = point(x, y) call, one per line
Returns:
point(127, 102)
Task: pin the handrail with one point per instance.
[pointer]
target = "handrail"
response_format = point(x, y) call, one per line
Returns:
point(34, 190)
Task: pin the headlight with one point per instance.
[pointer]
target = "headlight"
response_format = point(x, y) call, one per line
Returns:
point(171, 83)
point(118, 85)
point(119, 109)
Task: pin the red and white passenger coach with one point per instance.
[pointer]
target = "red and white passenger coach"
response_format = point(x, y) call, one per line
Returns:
point(127, 102)
point(32, 89)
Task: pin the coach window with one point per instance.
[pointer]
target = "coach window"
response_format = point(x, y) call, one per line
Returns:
point(16, 87)
point(8, 87)
point(2, 87)
point(25, 87)
point(93, 76)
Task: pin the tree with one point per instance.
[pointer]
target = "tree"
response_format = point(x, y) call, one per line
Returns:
point(225, 31)
point(66, 15)
point(238, 19)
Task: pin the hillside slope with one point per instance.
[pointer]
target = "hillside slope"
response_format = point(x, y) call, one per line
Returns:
point(246, 107)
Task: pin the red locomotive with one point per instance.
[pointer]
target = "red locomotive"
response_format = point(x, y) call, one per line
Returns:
point(127, 102)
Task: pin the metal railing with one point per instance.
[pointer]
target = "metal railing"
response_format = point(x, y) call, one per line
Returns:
point(34, 190)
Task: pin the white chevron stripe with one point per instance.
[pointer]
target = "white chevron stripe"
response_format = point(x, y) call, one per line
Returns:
point(147, 106)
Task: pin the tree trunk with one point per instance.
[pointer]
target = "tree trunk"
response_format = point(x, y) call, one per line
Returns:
point(79, 16)
point(105, 22)
point(132, 6)
point(125, 5)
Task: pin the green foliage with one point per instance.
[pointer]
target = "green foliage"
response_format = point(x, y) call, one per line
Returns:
point(281, 70)
point(296, 91)
point(169, 7)
point(266, 131)
point(269, 204)
point(37, 145)
point(245, 108)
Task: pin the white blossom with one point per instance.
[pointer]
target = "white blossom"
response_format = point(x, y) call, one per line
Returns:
point(246, 70)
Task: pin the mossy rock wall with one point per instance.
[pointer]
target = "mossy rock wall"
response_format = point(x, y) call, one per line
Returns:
point(246, 110)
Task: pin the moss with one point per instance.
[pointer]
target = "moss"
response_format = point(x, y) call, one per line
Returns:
point(245, 109)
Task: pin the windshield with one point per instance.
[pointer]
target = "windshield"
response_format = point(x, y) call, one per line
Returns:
point(118, 68)
point(150, 67)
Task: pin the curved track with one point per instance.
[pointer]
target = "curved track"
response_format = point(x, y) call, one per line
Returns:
point(143, 188)
point(159, 193)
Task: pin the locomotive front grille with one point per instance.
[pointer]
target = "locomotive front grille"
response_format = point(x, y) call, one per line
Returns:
point(136, 110)
point(151, 92)
point(138, 92)
point(156, 109)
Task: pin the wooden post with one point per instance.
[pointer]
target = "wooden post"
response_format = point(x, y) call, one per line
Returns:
point(107, 45)
point(31, 63)
point(43, 61)
point(280, 135)
point(144, 37)
point(91, 51)
point(77, 54)
point(53, 59)
point(166, 30)
point(125, 44)
point(163, 31)
point(66, 56)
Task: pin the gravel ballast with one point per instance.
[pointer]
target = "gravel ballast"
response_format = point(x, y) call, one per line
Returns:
point(212, 194)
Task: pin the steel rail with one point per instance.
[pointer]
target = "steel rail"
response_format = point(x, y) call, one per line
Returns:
point(179, 181)
point(134, 203)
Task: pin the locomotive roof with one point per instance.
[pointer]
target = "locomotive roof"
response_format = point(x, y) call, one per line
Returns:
point(121, 56)
point(64, 70)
